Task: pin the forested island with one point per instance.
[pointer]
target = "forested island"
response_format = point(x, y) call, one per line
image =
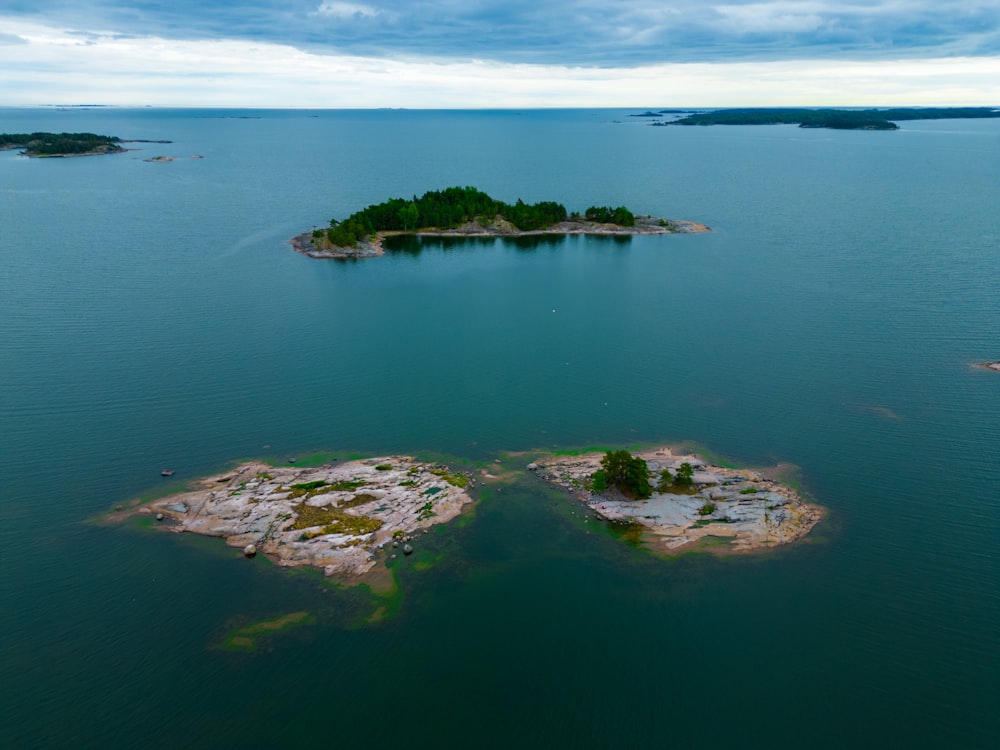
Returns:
point(61, 144)
point(48, 145)
point(467, 211)
point(837, 119)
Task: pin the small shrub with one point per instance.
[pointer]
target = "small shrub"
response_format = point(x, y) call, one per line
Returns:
point(707, 509)
point(383, 467)
point(685, 475)
point(666, 480)
point(748, 491)
point(599, 481)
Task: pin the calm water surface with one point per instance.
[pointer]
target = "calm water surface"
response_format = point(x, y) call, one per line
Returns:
point(153, 315)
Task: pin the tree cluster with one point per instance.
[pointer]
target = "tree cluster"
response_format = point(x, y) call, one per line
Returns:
point(606, 215)
point(684, 477)
point(52, 144)
point(442, 209)
point(627, 473)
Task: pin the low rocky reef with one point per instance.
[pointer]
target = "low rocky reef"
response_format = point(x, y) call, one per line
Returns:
point(373, 245)
point(995, 366)
point(342, 518)
point(724, 510)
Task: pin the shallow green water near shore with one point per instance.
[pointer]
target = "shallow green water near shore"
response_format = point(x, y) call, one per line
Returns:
point(154, 317)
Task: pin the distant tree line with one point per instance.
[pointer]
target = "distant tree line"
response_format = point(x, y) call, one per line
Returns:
point(842, 119)
point(51, 144)
point(452, 207)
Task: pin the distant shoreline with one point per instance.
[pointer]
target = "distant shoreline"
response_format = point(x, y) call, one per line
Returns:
point(373, 247)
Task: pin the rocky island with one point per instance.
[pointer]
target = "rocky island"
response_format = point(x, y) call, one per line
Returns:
point(350, 518)
point(689, 504)
point(341, 518)
point(52, 145)
point(468, 212)
point(995, 366)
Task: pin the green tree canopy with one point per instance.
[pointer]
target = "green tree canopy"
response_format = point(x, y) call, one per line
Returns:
point(685, 475)
point(628, 473)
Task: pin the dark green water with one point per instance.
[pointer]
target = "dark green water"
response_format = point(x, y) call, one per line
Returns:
point(152, 316)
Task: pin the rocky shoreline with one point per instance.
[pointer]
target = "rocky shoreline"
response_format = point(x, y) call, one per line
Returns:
point(343, 518)
point(644, 224)
point(347, 518)
point(725, 510)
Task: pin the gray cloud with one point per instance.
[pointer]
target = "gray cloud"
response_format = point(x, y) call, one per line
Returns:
point(571, 32)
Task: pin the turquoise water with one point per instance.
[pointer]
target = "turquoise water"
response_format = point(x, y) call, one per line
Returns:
point(153, 316)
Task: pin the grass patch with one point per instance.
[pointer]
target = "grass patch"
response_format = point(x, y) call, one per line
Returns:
point(454, 479)
point(408, 483)
point(383, 467)
point(361, 498)
point(748, 491)
point(347, 485)
point(678, 489)
point(333, 521)
point(309, 485)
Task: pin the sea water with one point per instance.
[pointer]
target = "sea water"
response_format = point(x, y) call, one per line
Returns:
point(154, 316)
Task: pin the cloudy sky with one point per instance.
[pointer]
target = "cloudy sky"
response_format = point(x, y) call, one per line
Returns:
point(499, 53)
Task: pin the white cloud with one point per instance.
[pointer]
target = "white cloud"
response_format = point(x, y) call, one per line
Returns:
point(56, 66)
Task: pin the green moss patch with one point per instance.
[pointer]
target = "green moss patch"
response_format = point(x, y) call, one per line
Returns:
point(361, 498)
point(333, 521)
point(455, 479)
